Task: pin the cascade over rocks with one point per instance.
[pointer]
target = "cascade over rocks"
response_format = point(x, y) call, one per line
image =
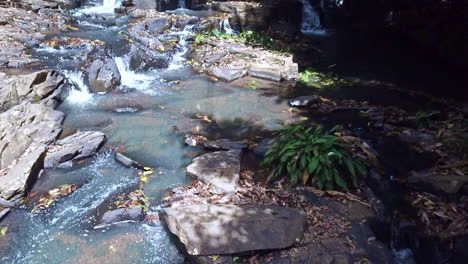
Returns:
point(221, 169)
point(103, 75)
point(209, 229)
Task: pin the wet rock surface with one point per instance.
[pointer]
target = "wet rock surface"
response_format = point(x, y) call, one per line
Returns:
point(221, 169)
point(121, 215)
point(103, 75)
point(78, 146)
point(209, 229)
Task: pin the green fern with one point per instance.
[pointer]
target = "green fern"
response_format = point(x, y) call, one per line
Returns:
point(310, 154)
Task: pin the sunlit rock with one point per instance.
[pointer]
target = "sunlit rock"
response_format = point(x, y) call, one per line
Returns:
point(209, 229)
point(221, 169)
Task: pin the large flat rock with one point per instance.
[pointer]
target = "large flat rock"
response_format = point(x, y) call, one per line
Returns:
point(80, 145)
point(18, 177)
point(25, 124)
point(220, 168)
point(208, 229)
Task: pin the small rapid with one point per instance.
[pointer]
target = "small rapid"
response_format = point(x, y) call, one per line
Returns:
point(226, 26)
point(107, 7)
point(80, 93)
point(180, 56)
point(311, 20)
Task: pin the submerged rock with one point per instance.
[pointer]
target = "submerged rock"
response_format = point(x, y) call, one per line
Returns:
point(80, 145)
point(221, 169)
point(127, 162)
point(208, 229)
point(103, 75)
point(130, 207)
point(121, 215)
point(224, 144)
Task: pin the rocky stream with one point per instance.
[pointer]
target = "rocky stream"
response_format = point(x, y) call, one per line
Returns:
point(134, 131)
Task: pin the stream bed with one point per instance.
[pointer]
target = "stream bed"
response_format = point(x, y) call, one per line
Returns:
point(139, 119)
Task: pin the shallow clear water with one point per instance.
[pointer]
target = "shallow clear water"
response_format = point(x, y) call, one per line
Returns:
point(146, 118)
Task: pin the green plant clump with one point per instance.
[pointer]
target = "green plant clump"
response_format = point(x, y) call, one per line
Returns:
point(319, 80)
point(313, 155)
point(252, 84)
point(247, 37)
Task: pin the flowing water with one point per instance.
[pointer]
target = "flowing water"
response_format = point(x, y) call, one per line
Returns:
point(145, 118)
point(310, 20)
point(226, 26)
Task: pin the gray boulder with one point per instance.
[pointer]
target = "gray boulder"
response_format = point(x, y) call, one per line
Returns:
point(228, 73)
point(34, 87)
point(221, 169)
point(103, 75)
point(25, 124)
point(17, 178)
point(208, 229)
point(158, 25)
point(80, 145)
point(121, 215)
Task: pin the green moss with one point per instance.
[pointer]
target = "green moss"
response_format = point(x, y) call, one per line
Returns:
point(319, 80)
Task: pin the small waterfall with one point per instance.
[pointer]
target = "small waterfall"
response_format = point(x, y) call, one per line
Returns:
point(178, 59)
point(310, 19)
point(81, 94)
point(131, 79)
point(182, 4)
point(107, 7)
point(226, 26)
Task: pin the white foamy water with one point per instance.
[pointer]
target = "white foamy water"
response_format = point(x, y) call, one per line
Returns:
point(182, 4)
point(179, 58)
point(310, 20)
point(107, 7)
point(226, 26)
point(80, 95)
point(131, 79)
